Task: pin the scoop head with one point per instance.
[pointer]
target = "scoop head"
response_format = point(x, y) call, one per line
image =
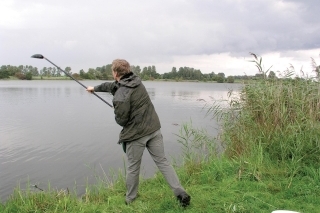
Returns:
point(39, 56)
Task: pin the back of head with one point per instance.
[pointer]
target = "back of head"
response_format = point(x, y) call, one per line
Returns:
point(120, 66)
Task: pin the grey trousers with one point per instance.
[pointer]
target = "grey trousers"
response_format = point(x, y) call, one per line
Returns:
point(154, 144)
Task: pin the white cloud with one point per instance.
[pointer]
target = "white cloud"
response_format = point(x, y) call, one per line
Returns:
point(230, 65)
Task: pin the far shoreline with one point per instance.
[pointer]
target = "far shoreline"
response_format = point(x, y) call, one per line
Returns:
point(38, 78)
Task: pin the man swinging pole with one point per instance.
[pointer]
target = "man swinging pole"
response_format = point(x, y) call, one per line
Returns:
point(136, 114)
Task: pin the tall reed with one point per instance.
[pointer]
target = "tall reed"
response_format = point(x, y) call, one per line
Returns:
point(274, 120)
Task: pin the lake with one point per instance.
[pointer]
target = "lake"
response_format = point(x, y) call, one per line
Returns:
point(56, 132)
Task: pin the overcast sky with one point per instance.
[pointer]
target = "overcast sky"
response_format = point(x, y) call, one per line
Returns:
point(210, 35)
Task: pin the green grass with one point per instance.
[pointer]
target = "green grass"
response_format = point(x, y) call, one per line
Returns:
point(218, 185)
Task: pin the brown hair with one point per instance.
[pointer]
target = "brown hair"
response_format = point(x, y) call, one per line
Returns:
point(120, 66)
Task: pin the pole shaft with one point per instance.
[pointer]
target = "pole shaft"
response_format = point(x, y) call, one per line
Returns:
point(78, 82)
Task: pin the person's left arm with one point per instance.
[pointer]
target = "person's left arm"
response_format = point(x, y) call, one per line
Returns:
point(122, 107)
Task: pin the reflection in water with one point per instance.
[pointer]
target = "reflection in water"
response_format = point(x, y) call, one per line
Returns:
point(56, 131)
point(151, 92)
point(67, 91)
point(183, 94)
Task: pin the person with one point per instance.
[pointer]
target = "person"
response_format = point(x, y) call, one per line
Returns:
point(140, 123)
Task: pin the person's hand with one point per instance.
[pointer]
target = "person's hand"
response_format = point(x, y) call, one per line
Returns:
point(90, 89)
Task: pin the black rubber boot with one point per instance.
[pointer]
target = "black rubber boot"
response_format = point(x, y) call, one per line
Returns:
point(184, 199)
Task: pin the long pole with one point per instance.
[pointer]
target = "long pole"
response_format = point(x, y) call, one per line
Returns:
point(39, 56)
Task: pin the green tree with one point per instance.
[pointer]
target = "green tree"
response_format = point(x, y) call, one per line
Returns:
point(49, 72)
point(13, 70)
point(222, 74)
point(108, 72)
point(220, 79)
point(35, 71)
point(58, 72)
point(136, 70)
point(272, 75)
point(4, 72)
point(259, 76)
point(230, 79)
point(166, 76)
point(68, 70)
point(173, 73)
point(145, 73)
point(83, 74)
point(29, 75)
point(54, 71)
point(212, 76)
point(198, 75)
point(91, 73)
point(154, 73)
point(43, 71)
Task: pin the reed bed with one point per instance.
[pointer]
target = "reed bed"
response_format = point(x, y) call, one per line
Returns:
point(274, 123)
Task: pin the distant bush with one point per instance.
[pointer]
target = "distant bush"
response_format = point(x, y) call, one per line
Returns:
point(220, 79)
point(76, 76)
point(20, 76)
point(230, 79)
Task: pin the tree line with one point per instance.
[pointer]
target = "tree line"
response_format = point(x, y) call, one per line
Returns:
point(105, 73)
point(27, 72)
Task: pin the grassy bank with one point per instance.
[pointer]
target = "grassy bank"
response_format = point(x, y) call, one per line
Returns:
point(270, 160)
point(216, 186)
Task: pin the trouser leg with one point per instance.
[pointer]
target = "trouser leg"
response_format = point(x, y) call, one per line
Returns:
point(134, 154)
point(156, 150)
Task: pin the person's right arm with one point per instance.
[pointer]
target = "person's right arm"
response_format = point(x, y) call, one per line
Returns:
point(90, 89)
point(104, 87)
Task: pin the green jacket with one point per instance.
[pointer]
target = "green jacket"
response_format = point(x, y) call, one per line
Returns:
point(133, 108)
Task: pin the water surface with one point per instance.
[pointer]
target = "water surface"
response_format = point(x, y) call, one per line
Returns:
point(55, 131)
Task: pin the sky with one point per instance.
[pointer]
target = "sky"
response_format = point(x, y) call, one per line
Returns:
point(210, 35)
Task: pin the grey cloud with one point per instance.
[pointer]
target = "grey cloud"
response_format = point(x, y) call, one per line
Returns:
point(92, 34)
